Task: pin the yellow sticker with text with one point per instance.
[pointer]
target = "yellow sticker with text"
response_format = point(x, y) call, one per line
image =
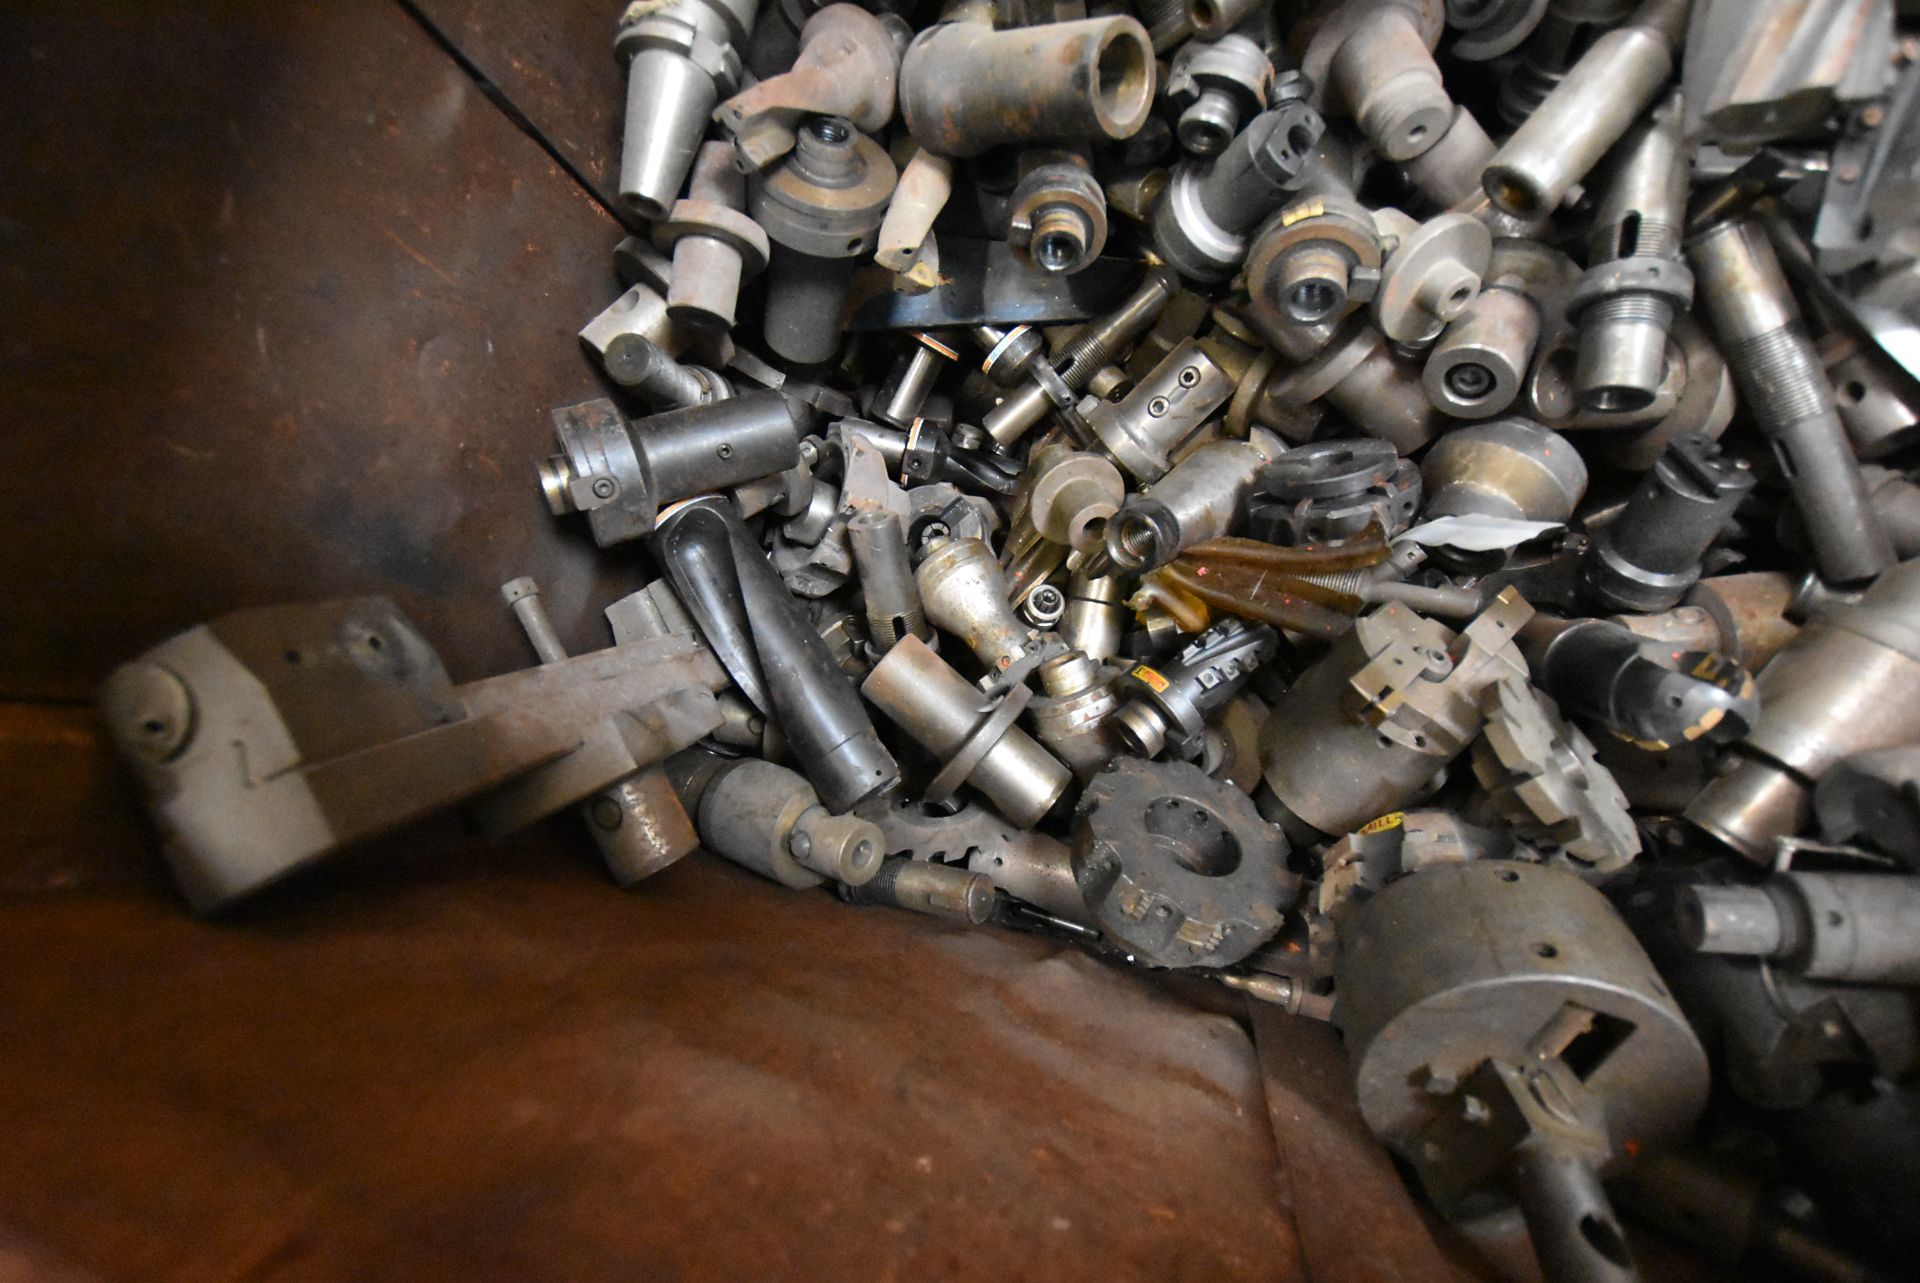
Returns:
point(1391, 820)
point(1152, 679)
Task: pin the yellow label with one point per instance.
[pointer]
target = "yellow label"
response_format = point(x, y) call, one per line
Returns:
point(1391, 820)
point(1153, 679)
point(1311, 209)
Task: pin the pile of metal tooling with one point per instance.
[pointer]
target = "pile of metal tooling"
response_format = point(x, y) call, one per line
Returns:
point(1395, 506)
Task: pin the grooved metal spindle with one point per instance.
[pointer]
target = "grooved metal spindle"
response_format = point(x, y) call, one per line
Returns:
point(1082, 356)
point(1098, 342)
point(1784, 390)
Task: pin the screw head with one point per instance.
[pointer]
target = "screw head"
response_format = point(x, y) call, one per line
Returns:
point(603, 487)
point(605, 813)
point(149, 710)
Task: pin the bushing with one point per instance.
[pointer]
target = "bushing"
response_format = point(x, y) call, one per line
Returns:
point(966, 88)
point(971, 735)
point(1587, 112)
point(820, 206)
point(1479, 365)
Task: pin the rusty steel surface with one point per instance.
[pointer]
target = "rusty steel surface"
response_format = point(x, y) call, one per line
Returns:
point(288, 302)
point(72, 815)
point(493, 1064)
point(1356, 1218)
point(554, 63)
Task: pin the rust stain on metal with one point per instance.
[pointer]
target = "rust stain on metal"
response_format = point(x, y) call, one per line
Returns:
point(435, 1061)
point(350, 283)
